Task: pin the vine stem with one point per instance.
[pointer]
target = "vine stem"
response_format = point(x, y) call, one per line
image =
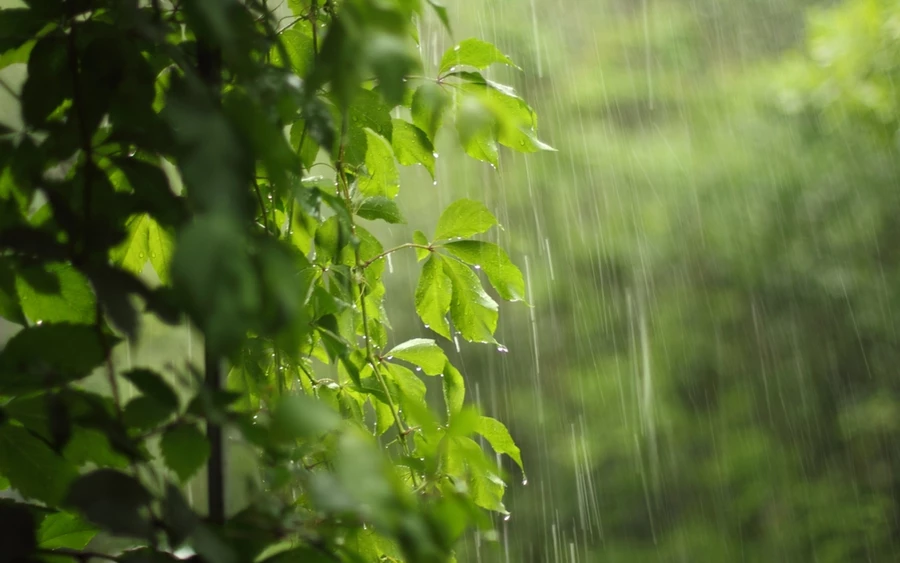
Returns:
point(369, 262)
point(344, 187)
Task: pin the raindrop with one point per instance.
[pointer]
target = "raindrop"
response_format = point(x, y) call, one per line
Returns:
point(39, 323)
point(434, 183)
point(427, 326)
point(507, 517)
point(152, 255)
point(456, 49)
point(525, 481)
point(502, 349)
point(390, 358)
point(477, 266)
point(435, 154)
point(141, 255)
point(132, 152)
point(418, 368)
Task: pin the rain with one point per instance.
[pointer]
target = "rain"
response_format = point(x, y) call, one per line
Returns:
point(705, 366)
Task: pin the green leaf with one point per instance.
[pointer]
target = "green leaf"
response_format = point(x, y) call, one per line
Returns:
point(428, 105)
point(420, 239)
point(64, 530)
point(454, 389)
point(185, 449)
point(498, 437)
point(301, 555)
point(410, 387)
point(493, 261)
point(299, 46)
point(411, 146)
point(152, 385)
point(17, 533)
point(56, 293)
point(32, 467)
point(92, 446)
point(379, 207)
point(422, 352)
point(132, 254)
point(10, 309)
point(112, 500)
point(433, 294)
point(514, 120)
point(299, 416)
point(161, 245)
point(473, 312)
point(50, 354)
point(304, 144)
point(381, 177)
point(368, 111)
point(391, 59)
point(145, 412)
point(474, 53)
point(462, 219)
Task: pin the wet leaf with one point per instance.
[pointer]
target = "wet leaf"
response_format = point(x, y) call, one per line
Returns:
point(462, 219)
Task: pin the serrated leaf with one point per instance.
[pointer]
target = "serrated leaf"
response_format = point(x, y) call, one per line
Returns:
point(299, 46)
point(185, 449)
point(462, 219)
point(454, 389)
point(429, 103)
point(381, 177)
point(43, 356)
point(145, 412)
point(56, 293)
point(422, 352)
point(368, 111)
point(473, 312)
point(31, 467)
point(433, 295)
point(411, 146)
point(112, 500)
point(420, 239)
point(152, 385)
point(379, 207)
point(499, 438)
point(92, 446)
point(493, 261)
point(411, 388)
point(161, 246)
point(474, 53)
point(514, 120)
point(132, 254)
point(64, 530)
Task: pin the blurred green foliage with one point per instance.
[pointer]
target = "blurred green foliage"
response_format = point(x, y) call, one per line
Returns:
point(711, 372)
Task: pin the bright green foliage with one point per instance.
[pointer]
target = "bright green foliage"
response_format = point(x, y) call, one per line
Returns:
point(184, 138)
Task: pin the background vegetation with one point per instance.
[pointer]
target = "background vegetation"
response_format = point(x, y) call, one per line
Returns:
point(708, 371)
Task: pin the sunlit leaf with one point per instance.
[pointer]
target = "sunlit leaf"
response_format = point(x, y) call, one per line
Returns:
point(473, 312)
point(64, 530)
point(433, 294)
point(381, 177)
point(411, 146)
point(422, 352)
point(462, 219)
point(493, 261)
point(474, 53)
point(380, 207)
point(56, 293)
point(499, 438)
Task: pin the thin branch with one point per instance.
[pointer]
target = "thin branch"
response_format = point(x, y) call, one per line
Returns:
point(369, 262)
point(262, 205)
